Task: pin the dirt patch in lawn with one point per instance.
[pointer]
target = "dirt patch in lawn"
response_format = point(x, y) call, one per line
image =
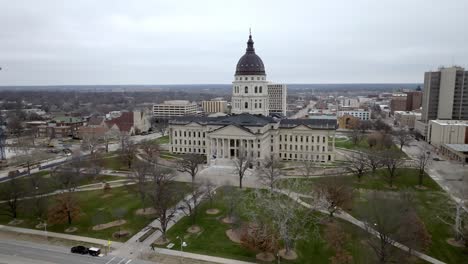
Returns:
point(453, 242)
point(212, 211)
point(146, 211)
point(292, 255)
point(265, 256)
point(109, 225)
point(194, 229)
point(16, 222)
point(71, 229)
point(233, 235)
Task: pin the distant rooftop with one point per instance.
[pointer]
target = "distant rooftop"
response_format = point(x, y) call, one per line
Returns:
point(451, 122)
point(177, 102)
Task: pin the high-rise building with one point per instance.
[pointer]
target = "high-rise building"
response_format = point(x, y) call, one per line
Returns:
point(398, 102)
point(277, 94)
point(445, 94)
point(251, 92)
point(413, 100)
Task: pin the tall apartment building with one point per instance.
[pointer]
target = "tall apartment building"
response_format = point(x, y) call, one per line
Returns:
point(277, 94)
point(445, 94)
point(174, 108)
point(214, 106)
point(413, 100)
point(398, 102)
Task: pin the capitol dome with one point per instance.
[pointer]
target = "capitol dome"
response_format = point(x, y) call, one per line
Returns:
point(250, 63)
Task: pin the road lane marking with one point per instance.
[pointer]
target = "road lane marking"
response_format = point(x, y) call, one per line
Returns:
point(121, 261)
point(110, 260)
point(128, 261)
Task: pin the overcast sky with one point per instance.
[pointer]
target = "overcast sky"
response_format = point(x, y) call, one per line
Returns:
point(182, 42)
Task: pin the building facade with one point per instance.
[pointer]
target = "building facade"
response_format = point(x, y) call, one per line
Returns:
point(447, 132)
point(251, 92)
point(361, 114)
point(221, 139)
point(277, 94)
point(214, 106)
point(406, 118)
point(445, 94)
point(413, 100)
point(173, 108)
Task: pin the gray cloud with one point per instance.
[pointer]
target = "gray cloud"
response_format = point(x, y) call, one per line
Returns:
point(155, 42)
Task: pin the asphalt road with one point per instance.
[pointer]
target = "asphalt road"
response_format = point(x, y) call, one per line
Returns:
point(21, 252)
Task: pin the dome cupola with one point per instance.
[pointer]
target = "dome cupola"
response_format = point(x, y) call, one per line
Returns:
point(250, 63)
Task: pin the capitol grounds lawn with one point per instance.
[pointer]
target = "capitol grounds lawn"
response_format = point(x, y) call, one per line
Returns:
point(426, 201)
point(92, 202)
point(47, 185)
point(162, 140)
point(212, 240)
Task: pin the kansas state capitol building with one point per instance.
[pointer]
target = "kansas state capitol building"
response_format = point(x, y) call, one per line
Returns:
point(251, 127)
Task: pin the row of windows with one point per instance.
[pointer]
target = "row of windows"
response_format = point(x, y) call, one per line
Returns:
point(188, 133)
point(195, 150)
point(312, 157)
point(257, 89)
point(301, 138)
point(200, 142)
point(251, 78)
point(300, 147)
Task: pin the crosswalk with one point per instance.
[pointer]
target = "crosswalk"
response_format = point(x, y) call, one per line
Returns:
point(119, 260)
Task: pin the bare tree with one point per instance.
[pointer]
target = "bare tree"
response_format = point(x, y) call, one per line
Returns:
point(374, 159)
point(150, 149)
point(392, 160)
point(356, 135)
point(190, 163)
point(242, 162)
point(140, 176)
point(192, 202)
point(337, 239)
point(232, 199)
point(90, 142)
point(383, 219)
point(65, 209)
point(128, 150)
point(307, 167)
point(163, 195)
point(11, 192)
point(357, 164)
point(403, 137)
point(453, 212)
point(333, 194)
point(423, 159)
point(210, 191)
point(270, 171)
point(259, 236)
point(160, 125)
point(287, 217)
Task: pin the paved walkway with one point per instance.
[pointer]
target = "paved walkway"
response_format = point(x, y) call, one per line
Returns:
point(349, 218)
point(59, 235)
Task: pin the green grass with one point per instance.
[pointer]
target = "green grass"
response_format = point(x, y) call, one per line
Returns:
point(114, 162)
point(92, 202)
point(47, 184)
point(213, 240)
point(162, 140)
point(348, 144)
point(427, 202)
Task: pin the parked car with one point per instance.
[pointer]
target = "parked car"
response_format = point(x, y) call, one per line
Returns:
point(80, 250)
point(93, 251)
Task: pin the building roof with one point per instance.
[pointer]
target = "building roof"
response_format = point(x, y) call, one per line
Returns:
point(312, 123)
point(67, 119)
point(250, 63)
point(95, 120)
point(124, 122)
point(239, 120)
point(458, 147)
point(451, 122)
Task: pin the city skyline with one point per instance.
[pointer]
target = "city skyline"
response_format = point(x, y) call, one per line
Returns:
point(84, 43)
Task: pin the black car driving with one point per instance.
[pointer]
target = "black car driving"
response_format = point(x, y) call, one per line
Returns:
point(79, 250)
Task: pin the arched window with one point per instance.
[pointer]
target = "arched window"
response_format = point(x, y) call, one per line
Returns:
point(246, 89)
point(260, 89)
point(256, 89)
point(255, 105)
point(246, 105)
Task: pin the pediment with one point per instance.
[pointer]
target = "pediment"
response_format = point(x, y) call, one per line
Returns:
point(231, 130)
point(301, 127)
